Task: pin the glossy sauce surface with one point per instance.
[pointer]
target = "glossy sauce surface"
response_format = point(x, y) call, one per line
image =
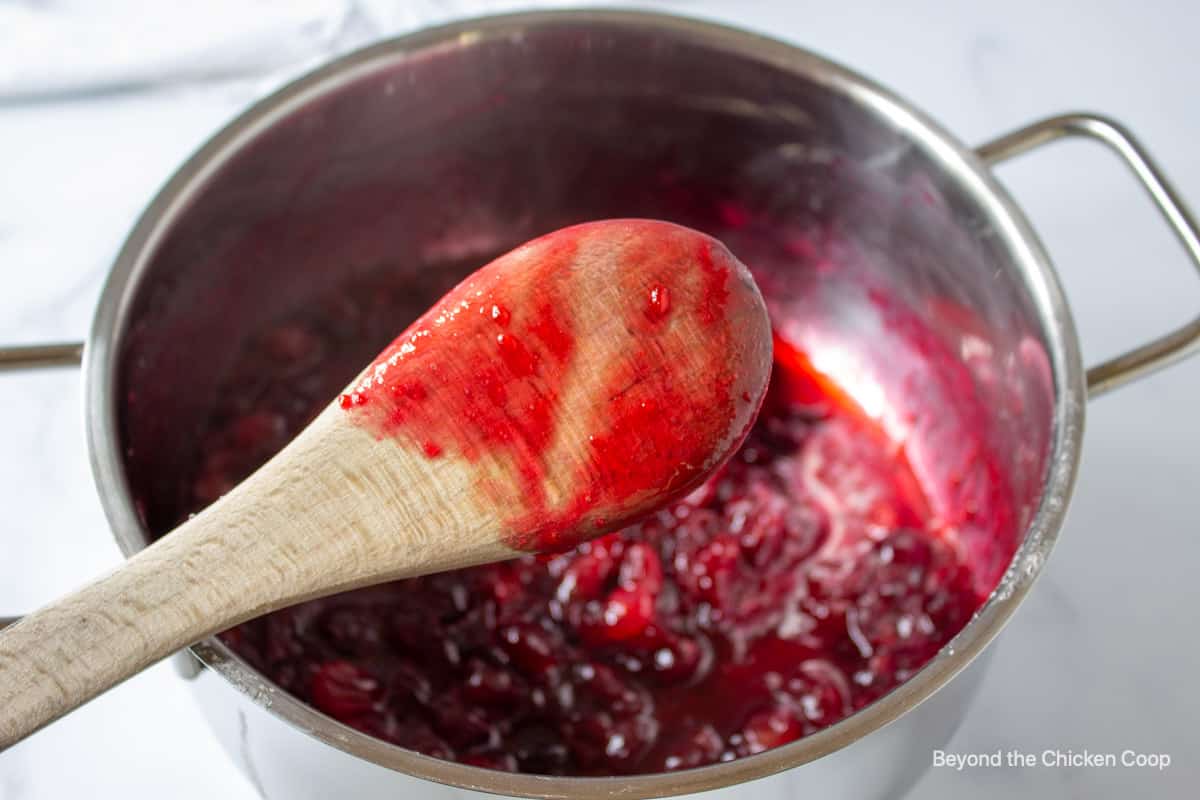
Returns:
point(814, 573)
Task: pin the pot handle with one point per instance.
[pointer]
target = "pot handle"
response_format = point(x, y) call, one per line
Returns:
point(38, 356)
point(1179, 343)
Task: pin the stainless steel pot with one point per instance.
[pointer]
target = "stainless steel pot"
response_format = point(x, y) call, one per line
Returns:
point(465, 139)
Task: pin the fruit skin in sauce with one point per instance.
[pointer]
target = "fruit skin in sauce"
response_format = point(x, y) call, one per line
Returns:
point(761, 607)
point(803, 581)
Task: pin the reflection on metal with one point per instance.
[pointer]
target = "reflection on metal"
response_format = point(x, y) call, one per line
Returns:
point(1176, 345)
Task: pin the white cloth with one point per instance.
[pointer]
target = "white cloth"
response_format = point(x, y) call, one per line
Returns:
point(67, 47)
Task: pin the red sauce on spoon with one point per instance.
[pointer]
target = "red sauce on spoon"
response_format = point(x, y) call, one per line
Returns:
point(494, 372)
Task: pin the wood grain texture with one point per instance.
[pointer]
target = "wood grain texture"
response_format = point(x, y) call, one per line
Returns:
point(336, 510)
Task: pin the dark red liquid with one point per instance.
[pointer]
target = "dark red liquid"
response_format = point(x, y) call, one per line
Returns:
point(802, 582)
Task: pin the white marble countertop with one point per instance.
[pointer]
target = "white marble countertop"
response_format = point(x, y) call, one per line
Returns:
point(1101, 656)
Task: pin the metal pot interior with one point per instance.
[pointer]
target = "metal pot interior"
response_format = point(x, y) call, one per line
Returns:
point(428, 156)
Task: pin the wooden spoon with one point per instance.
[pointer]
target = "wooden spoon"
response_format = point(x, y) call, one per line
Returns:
point(560, 392)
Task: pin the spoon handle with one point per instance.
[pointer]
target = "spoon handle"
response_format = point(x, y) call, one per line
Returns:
point(169, 595)
point(321, 517)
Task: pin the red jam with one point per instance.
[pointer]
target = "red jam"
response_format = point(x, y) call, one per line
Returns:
point(497, 374)
point(807, 578)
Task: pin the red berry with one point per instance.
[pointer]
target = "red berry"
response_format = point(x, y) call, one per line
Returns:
point(695, 749)
point(493, 686)
point(343, 690)
point(800, 582)
point(530, 647)
point(641, 569)
point(770, 728)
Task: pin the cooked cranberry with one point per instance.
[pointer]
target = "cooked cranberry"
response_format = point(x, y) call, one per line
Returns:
point(801, 582)
point(589, 569)
point(821, 692)
point(601, 739)
point(409, 686)
point(343, 690)
point(489, 685)
point(679, 659)
point(695, 749)
point(530, 647)
point(503, 584)
point(540, 749)
point(460, 723)
point(641, 569)
point(770, 728)
point(601, 687)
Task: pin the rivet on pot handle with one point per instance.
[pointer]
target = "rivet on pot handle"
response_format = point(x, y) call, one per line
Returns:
point(68, 354)
point(1177, 344)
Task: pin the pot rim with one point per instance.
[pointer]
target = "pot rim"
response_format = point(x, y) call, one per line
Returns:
point(1011, 227)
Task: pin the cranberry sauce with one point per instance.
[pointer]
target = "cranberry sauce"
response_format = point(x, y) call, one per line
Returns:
point(802, 582)
point(566, 351)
